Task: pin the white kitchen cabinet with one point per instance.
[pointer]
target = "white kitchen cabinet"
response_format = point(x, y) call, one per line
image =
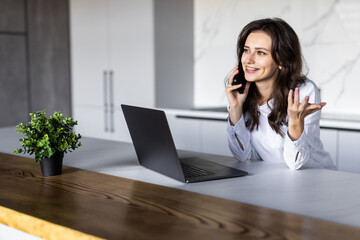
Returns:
point(121, 131)
point(329, 138)
point(90, 118)
point(214, 137)
point(349, 151)
point(112, 59)
point(199, 134)
point(132, 51)
point(185, 132)
point(89, 51)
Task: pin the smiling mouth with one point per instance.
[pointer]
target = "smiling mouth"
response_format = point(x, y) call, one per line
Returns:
point(251, 68)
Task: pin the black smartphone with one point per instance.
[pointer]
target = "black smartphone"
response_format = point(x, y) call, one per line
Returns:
point(240, 79)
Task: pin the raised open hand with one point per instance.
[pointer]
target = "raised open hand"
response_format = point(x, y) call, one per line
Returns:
point(297, 112)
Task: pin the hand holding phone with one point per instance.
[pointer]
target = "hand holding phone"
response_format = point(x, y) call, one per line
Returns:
point(236, 95)
point(240, 79)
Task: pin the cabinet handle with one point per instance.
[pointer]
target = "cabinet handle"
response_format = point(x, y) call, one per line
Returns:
point(202, 118)
point(106, 105)
point(111, 99)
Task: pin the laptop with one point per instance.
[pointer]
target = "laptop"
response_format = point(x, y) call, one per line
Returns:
point(155, 149)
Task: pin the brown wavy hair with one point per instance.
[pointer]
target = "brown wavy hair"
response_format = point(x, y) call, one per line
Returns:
point(286, 52)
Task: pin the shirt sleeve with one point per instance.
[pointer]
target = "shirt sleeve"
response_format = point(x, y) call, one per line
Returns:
point(297, 153)
point(239, 141)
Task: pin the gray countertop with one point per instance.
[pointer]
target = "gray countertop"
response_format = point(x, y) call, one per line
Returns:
point(324, 194)
point(332, 121)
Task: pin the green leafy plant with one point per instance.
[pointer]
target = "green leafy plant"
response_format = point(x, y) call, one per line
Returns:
point(46, 136)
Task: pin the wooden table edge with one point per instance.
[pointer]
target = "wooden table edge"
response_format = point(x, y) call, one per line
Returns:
point(40, 228)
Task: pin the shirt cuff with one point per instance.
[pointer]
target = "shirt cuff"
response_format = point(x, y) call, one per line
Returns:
point(239, 127)
point(297, 145)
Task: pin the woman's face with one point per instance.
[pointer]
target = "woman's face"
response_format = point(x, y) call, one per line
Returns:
point(256, 59)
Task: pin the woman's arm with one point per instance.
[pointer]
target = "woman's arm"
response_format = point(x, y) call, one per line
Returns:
point(238, 134)
point(303, 127)
point(239, 140)
point(298, 152)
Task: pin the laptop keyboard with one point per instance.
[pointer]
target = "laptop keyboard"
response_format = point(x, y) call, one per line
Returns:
point(192, 171)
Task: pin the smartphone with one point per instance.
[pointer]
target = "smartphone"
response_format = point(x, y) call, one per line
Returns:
point(240, 79)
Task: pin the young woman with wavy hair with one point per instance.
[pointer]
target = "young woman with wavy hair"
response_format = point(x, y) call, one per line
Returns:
point(276, 118)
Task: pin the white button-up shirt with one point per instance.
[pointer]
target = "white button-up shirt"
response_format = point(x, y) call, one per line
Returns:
point(265, 144)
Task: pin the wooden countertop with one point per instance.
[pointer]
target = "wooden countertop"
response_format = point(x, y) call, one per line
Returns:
point(112, 207)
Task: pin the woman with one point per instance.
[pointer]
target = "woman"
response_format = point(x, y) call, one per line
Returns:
point(276, 118)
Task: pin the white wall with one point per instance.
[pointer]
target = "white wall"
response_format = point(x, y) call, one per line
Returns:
point(329, 32)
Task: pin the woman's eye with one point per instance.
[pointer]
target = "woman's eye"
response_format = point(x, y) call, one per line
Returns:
point(246, 51)
point(261, 53)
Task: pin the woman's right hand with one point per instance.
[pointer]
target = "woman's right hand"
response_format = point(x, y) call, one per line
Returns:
point(236, 99)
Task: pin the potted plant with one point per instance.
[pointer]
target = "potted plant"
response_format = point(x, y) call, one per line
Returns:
point(48, 139)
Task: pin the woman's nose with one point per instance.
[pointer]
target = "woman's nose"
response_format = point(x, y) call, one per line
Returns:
point(250, 58)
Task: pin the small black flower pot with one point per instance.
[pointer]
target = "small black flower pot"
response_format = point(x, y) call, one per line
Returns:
point(52, 166)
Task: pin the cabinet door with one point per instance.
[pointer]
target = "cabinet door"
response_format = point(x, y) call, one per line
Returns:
point(49, 55)
point(112, 58)
point(200, 135)
point(12, 16)
point(349, 151)
point(91, 122)
point(185, 132)
point(132, 51)
point(13, 80)
point(329, 138)
point(121, 131)
point(214, 137)
point(89, 48)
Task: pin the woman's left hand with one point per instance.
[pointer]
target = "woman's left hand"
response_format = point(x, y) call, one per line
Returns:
point(297, 113)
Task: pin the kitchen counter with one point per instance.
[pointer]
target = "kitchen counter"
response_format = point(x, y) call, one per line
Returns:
point(82, 204)
point(328, 121)
point(318, 193)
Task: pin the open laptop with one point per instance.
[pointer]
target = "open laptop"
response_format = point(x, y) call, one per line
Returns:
point(155, 149)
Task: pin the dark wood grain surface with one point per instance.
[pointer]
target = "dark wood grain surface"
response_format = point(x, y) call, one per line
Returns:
point(118, 208)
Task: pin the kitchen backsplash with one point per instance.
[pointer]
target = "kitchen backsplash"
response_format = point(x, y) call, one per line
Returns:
point(329, 33)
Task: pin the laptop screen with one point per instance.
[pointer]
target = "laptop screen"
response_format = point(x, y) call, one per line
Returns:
point(153, 143)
